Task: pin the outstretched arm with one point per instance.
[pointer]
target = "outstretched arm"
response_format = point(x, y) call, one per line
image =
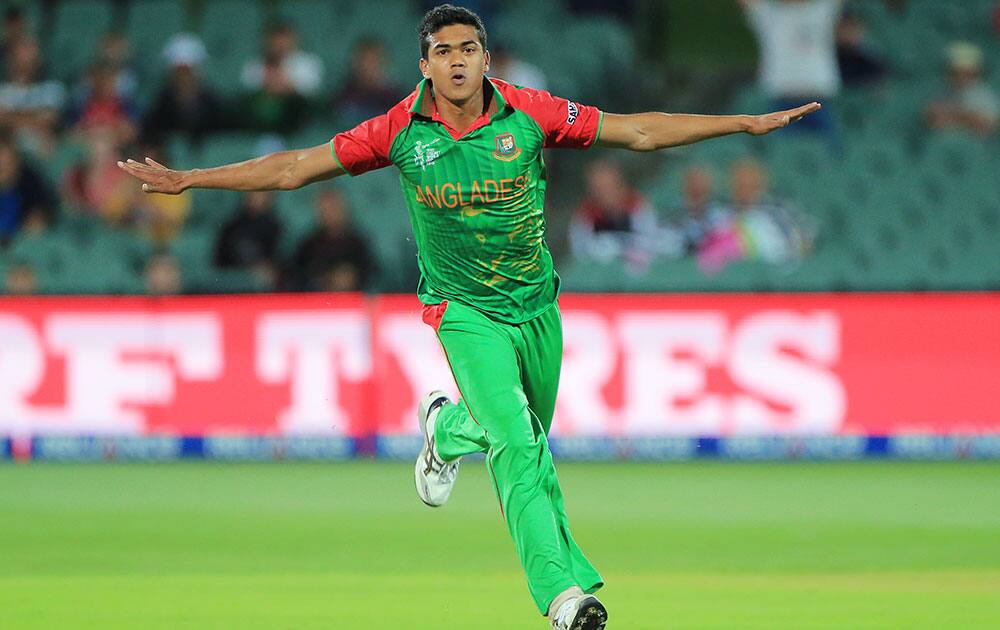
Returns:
point(654, 130)
point(284, 170)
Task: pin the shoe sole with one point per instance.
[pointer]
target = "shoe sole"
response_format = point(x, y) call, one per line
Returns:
point(425, 404)
point(590, 615)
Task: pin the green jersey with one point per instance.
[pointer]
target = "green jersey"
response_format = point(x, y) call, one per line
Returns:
point(476, 197)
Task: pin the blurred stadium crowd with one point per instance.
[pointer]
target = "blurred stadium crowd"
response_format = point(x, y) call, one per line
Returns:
point(892, 186)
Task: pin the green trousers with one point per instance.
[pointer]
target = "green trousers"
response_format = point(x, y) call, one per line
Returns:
point(507, 375)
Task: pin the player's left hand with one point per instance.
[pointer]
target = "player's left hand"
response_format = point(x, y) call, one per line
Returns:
point(766, 123)
point(155, 177)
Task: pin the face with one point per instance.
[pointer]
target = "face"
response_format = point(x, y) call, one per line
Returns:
point(104, 84)
point(962, 77)
point(749, 183)
point(257, 202)
point(369, 60)
point(606, 183)
point(24, 60)
point(850, 31)
point(456, 62)
point(697, 186)
point(10, 164)
point(21, 280)
point(162, 276)
point(332, 210)
point(114, 48)
point(281, 42)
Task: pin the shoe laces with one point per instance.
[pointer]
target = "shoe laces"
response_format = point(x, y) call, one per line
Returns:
point(449, 472)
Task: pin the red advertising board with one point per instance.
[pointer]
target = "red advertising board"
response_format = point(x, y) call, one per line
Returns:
point(877, 364)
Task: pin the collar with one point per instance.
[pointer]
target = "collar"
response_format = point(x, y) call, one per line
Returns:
point(425, 106)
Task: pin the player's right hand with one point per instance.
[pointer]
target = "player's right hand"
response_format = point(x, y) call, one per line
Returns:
point(155, 177)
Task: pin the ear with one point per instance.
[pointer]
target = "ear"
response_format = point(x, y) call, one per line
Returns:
point(486, 64)
point(423, 68)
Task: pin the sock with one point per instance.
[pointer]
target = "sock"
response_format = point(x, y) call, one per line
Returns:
point(562, 598)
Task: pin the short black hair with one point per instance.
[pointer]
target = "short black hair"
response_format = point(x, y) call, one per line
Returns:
point(445, 15)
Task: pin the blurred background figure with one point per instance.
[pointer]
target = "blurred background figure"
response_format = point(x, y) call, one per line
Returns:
point(30, 103)
point(505, 65)
point(700, 214)
point(15, 29)
point(185, 105)
point(280, 84)
point(115, 53)
point(157, 218)
point(756, 225)
point(798, 54)
point(859, 62)
point(99, 103)
point(20, 279)
point(615, 221)
point(249, 240)
point(163, 275)
point(969, 103)
point(368, 91)
point(91, 185)
point(27, 202)
point(335, 256)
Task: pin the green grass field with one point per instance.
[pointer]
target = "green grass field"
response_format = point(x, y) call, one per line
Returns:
point(702, 545)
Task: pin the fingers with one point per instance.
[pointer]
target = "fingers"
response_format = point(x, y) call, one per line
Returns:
point(150, 176)
point(133, 167)
point(805, 110)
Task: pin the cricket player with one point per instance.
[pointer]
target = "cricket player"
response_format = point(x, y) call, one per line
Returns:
point(469, 153)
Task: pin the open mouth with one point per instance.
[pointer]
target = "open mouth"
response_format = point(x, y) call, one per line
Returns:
point(458, 79)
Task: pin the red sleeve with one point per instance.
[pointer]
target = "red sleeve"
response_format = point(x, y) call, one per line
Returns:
point(366, 147)
point(564, 123)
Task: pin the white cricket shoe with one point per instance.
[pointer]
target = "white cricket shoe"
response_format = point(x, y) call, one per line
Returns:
point(580, 613)
point(434, 477)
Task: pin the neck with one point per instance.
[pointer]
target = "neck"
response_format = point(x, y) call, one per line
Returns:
point(460, 114)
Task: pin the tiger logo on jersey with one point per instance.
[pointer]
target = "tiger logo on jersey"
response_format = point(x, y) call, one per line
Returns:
point(507, 149)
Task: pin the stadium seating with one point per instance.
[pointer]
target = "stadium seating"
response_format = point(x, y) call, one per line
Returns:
point(896, 207)
point(77, 27)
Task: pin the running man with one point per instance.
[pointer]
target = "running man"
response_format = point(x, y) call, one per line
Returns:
point(469, 152)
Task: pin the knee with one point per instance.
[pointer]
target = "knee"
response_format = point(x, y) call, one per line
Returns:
point(519, 448)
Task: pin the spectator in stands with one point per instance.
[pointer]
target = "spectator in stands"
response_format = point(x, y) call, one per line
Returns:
point(100, 104)
point(29, 103)
point(700, 214)
point(859, 64)
point(21, 279)
point(798, 58)
point(969, 104)
point(15, 28)
point(368, 91)
point(159, 218)
point(26, 200)
point(760, 227)
point(250, 239)
point(115, 52)
point(505, 65)
point(185, 104)
point(615, 222)
point(334, 256)
point(280, 84)
point(163, 275)
point(91, 185)
point(95, 186)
